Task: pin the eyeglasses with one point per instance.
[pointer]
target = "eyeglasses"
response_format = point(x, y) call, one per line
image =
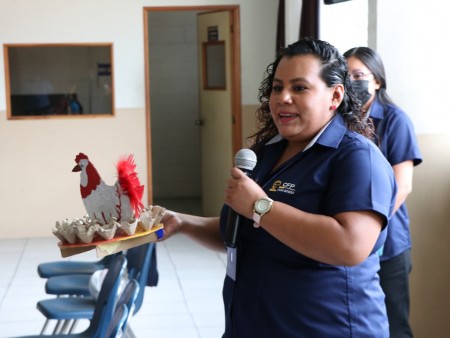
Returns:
point(358, 76)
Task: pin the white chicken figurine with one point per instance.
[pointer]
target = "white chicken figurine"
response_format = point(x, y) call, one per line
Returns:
point(121, 200)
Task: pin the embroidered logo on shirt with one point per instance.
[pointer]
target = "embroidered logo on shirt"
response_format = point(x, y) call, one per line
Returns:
point(288, 188)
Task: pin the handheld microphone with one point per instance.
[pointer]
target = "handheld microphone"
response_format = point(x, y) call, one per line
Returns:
point(245, 160)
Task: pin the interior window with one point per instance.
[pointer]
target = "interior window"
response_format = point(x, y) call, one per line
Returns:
point(57, 80)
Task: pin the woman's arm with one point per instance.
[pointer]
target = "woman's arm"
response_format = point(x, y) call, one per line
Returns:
point(403, 176)
point(204, 230)
point(345, 239)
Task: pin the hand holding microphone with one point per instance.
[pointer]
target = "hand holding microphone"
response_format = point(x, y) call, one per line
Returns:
point(245, 160)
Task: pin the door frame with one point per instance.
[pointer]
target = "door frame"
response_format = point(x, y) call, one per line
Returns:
point(235, 80)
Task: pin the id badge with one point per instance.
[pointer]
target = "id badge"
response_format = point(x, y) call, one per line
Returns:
point(231, 263)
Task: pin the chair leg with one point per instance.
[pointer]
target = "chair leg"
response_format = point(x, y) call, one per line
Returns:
point(129, 332)
point(44, 327)
point(57, 327)
point(74, 324)
point(65, 326)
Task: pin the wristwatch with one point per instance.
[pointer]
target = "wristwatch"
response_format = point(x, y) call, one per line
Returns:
point(262, 206)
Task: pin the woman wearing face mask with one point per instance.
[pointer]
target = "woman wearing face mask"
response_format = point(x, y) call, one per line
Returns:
point(398, 143)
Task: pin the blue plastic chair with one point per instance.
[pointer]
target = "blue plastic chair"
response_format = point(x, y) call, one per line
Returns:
point(65, 267)
point(128, 297)
point(139, 261)
point(99, 310)
point(140, 269)
point(78, 284)
point(114, 330)
point(72, 285)
point(112, 327)
point(140, 272)
point(117, 324)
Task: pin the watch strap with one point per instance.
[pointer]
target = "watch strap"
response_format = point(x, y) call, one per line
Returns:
point(256, 219)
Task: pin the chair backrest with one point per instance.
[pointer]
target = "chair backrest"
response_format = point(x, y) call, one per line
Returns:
point(128, 297)
point(65, 267)
point(107, 297)
point(139, 261)
point(136, 258)
point(117, 323)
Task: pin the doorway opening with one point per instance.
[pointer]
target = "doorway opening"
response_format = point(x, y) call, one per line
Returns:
point(174, 138)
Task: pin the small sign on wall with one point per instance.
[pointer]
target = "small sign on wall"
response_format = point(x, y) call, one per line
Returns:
point(104, 69)
point(213, 33)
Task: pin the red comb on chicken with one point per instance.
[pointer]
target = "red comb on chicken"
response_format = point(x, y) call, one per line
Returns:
point(121, 200)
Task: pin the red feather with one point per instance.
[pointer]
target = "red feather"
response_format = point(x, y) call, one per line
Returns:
point(129, 182)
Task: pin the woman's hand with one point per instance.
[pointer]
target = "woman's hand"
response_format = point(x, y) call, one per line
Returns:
point(242, 192)
point(204, 230)
point(172, 224)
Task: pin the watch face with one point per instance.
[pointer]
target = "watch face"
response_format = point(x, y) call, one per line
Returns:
point(262, 206)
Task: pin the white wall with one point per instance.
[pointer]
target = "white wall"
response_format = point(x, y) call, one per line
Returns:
point(345, 24)
point(414, 40)
point(37, 185)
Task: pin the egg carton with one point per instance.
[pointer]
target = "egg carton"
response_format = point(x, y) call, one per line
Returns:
point(85, 230)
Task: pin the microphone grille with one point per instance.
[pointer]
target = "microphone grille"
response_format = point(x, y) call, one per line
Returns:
point(245, 159)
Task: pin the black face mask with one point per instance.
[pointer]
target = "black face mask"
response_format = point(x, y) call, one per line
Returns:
point(361, 88)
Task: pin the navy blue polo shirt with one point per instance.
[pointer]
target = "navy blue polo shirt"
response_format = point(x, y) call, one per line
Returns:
point(280, 293)
point(398, 144)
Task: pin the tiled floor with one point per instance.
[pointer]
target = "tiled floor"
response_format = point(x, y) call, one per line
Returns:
point(187, 302)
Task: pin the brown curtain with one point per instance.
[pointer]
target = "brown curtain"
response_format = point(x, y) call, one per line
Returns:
point(281, 35)
point(309, 19)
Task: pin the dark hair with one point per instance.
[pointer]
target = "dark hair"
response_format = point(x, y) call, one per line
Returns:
point(333, 72)
point(372, 60)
